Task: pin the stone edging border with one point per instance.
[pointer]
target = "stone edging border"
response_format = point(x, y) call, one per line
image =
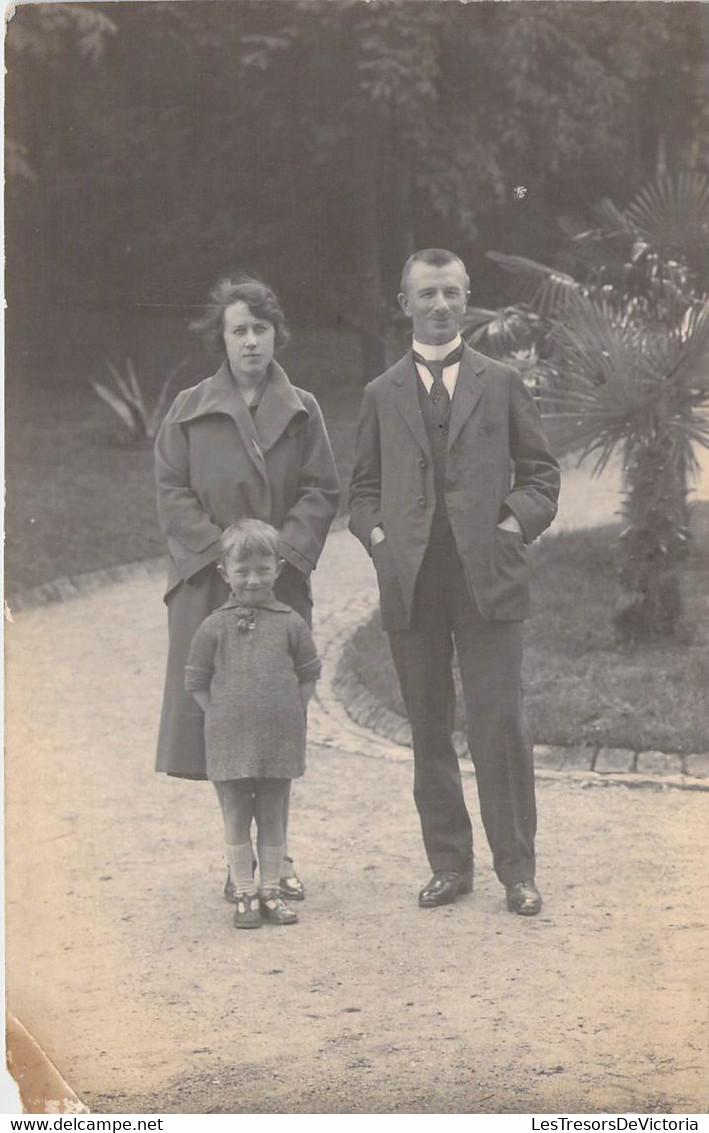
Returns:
point(67, 587)
point(605, 765)
point(64, 589)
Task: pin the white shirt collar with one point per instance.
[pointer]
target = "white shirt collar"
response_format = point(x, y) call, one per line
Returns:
point(434, 353)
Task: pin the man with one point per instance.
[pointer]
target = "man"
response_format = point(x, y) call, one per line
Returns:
point(452, 478)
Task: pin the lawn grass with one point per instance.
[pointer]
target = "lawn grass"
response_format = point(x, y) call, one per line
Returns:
point(80, 495)
point(579, 688)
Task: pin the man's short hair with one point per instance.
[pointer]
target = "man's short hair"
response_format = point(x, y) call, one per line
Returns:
point(436, 257)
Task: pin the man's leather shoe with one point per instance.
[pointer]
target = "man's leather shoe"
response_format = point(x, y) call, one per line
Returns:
point(444, 887)
point(524, 898)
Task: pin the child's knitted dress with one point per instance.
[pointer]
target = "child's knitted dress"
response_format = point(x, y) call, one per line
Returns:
point(252, 660)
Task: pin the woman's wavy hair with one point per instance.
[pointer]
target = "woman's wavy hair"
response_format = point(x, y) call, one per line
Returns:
point(261, 300)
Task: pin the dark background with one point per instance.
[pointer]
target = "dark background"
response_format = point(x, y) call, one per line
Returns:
point(154, 146)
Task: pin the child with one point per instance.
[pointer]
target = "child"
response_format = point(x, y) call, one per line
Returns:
point(252, 668)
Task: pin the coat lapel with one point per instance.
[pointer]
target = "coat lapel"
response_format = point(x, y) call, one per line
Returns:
point(406, 399)
point(468, 391)
point(279, 407)
point(220, 395)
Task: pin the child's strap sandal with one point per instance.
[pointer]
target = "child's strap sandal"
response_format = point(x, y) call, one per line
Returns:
point(230, 888)
point(274, 908)
point(292, 888)
point(247, 911)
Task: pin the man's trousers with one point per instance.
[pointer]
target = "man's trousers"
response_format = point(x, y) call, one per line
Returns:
point(490, 662)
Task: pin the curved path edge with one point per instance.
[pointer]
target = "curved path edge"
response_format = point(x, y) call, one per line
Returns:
point(345, 715)
point(593, 767)
point(73, 586)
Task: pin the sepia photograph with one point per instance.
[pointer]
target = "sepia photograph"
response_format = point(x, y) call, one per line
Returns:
point(356, 578)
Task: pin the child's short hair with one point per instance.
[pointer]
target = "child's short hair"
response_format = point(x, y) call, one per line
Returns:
point(248, 537)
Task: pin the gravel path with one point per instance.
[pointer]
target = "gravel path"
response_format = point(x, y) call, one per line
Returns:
point(122, 961)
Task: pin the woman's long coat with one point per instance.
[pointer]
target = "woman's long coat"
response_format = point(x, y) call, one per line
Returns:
point(217, 463)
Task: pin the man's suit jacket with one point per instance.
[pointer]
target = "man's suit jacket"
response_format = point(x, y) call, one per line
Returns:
point(498, 462)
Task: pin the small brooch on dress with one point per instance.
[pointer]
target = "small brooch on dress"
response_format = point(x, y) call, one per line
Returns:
point(245, 618)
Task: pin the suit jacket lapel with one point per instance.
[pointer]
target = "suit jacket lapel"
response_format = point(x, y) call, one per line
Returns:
point(468, 391)
point(405, 378)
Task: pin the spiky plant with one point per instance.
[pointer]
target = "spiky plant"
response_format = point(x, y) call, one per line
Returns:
point(643, 392)
point(623, 363)
point(128, 402)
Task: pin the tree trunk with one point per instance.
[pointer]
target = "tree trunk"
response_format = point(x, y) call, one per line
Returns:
point(368, 251)
point(652, 544)
point(404, 227)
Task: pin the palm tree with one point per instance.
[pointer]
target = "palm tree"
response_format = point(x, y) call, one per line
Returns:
point(641, 390)
point(617, 344)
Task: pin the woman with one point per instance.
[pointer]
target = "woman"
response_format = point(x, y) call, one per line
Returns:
point(244, 443)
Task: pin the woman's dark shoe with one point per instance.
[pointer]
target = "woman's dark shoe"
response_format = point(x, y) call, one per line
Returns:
point(524, 898)
point(247, 913)
point(292, 888)
point(444, 887)
point(274, 909)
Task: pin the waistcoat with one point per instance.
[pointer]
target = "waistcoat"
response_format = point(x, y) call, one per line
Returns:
point(437, 421)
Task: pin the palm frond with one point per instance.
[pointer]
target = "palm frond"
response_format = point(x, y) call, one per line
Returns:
point(161, 404)
point(118, 404)
point(501, 332)
point(128, 403)
point(545, 288)
point(477, 317)
point(624, 380)
point(135, 386)
point(693, 368)
point(122, 384)
point(672, 214)
point(608, 392)
point(611, 221)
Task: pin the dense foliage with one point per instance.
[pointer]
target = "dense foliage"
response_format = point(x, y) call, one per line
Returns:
point(618, 353)
point(154, 145)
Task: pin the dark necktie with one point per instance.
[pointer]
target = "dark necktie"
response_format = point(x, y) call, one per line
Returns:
point(438, 393)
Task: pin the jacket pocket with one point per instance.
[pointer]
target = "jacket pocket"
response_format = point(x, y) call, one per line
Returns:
point(391, 597)
point(509, 590)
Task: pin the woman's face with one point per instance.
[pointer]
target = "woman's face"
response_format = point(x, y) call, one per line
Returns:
point(249, 342)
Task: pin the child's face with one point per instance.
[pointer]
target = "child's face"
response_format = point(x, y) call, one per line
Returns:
point(251, 577)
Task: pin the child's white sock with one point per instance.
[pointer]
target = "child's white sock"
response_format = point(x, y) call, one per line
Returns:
point(270, 859)
point(240, 859)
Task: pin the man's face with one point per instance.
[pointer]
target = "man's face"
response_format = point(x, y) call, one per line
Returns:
point(435, 300)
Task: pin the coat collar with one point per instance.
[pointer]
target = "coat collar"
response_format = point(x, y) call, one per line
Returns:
point(279, 405)
point(279, 410)
point(468, 391)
